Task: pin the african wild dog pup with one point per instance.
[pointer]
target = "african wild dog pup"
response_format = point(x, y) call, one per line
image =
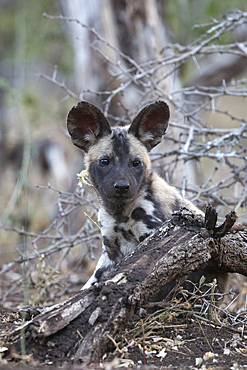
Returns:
point(134, 200)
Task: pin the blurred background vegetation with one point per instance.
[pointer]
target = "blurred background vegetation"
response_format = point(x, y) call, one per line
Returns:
point(34, 147)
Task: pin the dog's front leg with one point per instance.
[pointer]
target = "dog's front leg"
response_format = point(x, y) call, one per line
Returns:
point(103, 267)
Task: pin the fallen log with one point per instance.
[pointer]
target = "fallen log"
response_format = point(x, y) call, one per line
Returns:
point(180, 246)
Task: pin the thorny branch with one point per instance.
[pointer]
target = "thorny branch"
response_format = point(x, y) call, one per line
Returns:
point(191, 105)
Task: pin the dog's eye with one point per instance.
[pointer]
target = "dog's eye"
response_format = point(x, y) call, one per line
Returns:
point(105, 162)
point(136, 163)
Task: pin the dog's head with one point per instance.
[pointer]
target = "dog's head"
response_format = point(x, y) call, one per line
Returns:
point(117, 158)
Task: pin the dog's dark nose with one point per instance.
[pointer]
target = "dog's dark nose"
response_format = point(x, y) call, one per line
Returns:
point(121, 187)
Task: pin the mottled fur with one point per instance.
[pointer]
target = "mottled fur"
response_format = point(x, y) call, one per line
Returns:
point(134, 200)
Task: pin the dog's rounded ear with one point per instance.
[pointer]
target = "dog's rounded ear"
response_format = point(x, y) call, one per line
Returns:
point(150, 124)
point(86, 124)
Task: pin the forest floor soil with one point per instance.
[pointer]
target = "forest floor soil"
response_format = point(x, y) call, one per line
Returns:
point(178, 341)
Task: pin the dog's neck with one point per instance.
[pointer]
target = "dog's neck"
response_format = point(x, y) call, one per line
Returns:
point(119, 209)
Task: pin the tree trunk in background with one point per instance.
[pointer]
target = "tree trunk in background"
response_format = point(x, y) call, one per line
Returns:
point(88, 12)
point(133, 27)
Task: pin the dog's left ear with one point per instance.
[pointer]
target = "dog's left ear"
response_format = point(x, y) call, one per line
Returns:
point(150, 124)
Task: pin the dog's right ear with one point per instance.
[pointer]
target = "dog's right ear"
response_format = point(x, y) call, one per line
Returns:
point(86, 124)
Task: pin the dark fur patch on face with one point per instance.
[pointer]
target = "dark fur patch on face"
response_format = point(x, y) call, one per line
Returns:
point(120, 143)
point(139, 214)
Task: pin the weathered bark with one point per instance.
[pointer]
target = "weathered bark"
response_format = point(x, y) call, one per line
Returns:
point(177, 248)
